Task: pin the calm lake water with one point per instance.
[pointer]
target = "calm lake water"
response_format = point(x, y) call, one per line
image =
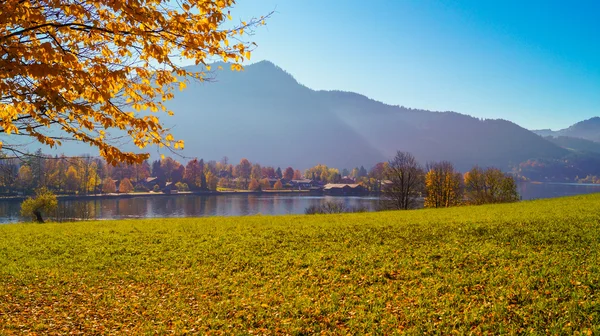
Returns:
point(242, 204)
point(187, 206)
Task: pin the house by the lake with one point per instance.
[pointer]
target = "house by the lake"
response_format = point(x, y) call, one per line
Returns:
point(150, 182)
point(303, 184)
point(344, 189)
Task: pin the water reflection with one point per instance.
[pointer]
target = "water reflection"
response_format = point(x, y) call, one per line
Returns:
point(238, 204)
point(184, 206)
point(529, 191)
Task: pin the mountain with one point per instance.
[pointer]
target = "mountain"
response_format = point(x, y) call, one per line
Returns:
point(545, 132)
point(265, 115)
point(434, 136)
point(575, 144)
point(587, 129)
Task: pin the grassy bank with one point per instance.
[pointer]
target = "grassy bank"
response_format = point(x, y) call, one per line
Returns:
point(531, 267)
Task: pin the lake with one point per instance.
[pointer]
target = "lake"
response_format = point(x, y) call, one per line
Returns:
point(242, 204)
point(187, 206)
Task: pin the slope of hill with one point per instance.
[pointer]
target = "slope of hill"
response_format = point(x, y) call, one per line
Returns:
point(491, 269)
point(264, 114)
point(588, 129)
point(461, 139)
point(575, 144)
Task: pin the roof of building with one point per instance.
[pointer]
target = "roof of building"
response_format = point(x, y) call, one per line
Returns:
point(340, 185)
point(302, 181)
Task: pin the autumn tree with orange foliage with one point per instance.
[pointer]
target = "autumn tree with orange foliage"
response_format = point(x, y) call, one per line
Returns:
point(243, 172)
point(288, 173)
point(443, 185)
point(265, 184)
point(94, 70)
point(254, 185)
point(256, 172)
point(108, 186)
point(489, 185)
point(194, 174)
point(125, 186)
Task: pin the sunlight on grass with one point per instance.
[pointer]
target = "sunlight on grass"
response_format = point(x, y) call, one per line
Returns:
point(530, 267)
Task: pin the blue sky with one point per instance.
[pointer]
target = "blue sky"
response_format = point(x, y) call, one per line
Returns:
point(536, 63)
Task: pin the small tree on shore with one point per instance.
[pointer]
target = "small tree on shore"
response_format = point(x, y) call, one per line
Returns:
point(212, 181)
point(108, 186)
point(489, 185)
point(278, 185)
point(125, 186)
point(297, 174)
point(288, 173)
point(443, 185)
point(264, 184)
point(406, 179)
point(254, 185)
point(44, 202)
point(224, 183)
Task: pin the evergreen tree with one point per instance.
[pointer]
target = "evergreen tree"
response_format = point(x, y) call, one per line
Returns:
point(362, 172)
point(157, 170)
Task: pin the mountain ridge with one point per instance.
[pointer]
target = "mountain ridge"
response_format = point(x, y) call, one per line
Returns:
point(339, 128)
point(264, 114)
point(588, 129)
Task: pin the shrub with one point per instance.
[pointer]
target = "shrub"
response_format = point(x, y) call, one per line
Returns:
point(140, 188)
point(43, 202)
point(180, 186)
point(156, 188)
point(313, 209)
point(331, 207)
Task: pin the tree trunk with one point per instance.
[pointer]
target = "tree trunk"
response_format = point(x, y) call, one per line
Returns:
point(38, 216)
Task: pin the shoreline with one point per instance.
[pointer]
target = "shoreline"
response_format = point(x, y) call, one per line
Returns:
point(161, 194)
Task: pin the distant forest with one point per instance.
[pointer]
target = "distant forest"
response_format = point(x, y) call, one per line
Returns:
point(576, 167)
point(85, 175)
point(90, 175)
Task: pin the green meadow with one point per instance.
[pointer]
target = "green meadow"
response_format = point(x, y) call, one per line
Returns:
point(524, 268)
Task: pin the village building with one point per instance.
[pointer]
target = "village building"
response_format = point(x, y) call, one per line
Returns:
point(342, 189)
point(303, 184)
point(272, 181)
point(150, 182)
point(347, 180)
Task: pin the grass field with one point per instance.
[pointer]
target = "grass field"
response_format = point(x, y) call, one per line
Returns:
point(527, 268)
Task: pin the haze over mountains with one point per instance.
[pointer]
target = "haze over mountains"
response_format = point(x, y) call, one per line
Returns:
point(587, 129)
point(265, 115)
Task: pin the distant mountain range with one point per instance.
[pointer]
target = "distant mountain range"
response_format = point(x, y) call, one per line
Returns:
point(587, 129)
point(575, 144)
point(265, 115)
